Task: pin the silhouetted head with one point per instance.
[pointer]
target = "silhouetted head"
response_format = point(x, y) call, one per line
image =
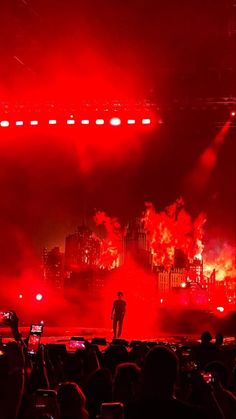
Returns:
point(126, 382)
point(71, 400)
point(159, 373)
point(120, 295)
point(219, 339)
point(206, 337)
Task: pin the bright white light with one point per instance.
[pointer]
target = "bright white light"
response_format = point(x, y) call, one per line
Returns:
point(115, 121)
point(146, 121)
point(85, 121)
point(39, 297)
point(4, 123)
point(20, 296)
point(183, 285)
point(161, 301)
point(70, 122)
point(52, 121)
point(19, 123)
point(100, 122)
point(34, 122)
point(220, 309)
point(131, 121)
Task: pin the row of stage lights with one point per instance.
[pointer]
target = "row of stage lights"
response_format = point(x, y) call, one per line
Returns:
point(71, 121)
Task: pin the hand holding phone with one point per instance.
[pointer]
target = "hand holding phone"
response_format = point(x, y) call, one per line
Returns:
point(112, 411)
point(36, 331)
point(45, 402)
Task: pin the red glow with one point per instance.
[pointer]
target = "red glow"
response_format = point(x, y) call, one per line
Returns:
point(4, 124)
point(39, 297)
point(115, 121)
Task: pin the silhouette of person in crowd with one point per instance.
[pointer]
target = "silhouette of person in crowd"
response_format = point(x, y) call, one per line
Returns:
point(118, 313)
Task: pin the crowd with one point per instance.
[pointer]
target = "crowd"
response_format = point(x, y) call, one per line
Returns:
point(144, 380)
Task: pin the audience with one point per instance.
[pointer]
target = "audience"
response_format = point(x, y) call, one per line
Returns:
point(148, 383)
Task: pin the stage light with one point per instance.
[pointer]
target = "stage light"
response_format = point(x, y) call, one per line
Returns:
point(4, 124)
point(70, 121)
point(39, 297)
point(20, 296)
point(85, 121)
point(146, 121)
point(34, 122)
point(19, 123)
point(232, 113)
point(220, 309)
point(131, 121)
point(115, 121)
point(99, 121)
point(183, 285)
point(52, 121)
point(161, 300)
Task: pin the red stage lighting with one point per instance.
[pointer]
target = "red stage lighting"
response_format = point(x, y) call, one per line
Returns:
point(20, 296)
point(115, 121)
point(4, 124)
point(19, 123)
point(131, 121)
point(39, 297)
point(34, 122)
point(232, 113)
point(146, 121)
point(52, 121)
point(99, 121)
point(70, 122)
point(85, 121)
point(183, 285)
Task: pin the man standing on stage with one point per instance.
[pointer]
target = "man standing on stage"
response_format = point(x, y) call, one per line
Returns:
point(118, 313)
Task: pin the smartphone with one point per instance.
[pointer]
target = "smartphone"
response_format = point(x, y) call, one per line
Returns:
point(112, 411)
point(45, 402)
point(76, 343)
point(5, 315)
point(36, 331)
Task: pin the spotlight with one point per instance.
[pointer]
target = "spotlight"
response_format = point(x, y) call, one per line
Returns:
point(19, 123)
point(20, 296)
point(70, 122)
point(39, 297)
point(99, 121)
point(4, 124)
point(115, 121)
point(131, 121)
point(232, 113)
point(85, 121)
point(34, 122)
point(220, 309)
point(183, 285)
point(52, 121)
point(146, 121)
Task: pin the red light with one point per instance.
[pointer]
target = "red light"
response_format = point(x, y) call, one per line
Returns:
point(115, 121)
point(4, 124)
point(39, 297)
point(100, 121)
point(146, 121)
point(232, 113)
point(220, 309)
point(20, 296)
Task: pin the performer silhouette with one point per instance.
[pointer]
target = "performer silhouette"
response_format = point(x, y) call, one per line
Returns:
point(118, 313)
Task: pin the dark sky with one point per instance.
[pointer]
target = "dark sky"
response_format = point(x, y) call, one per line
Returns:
point(66, 51)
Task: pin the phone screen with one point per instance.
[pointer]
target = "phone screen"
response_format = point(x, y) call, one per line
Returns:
point(76, 344)
point(208, 377)
point(33, 344)
point(36, 329)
